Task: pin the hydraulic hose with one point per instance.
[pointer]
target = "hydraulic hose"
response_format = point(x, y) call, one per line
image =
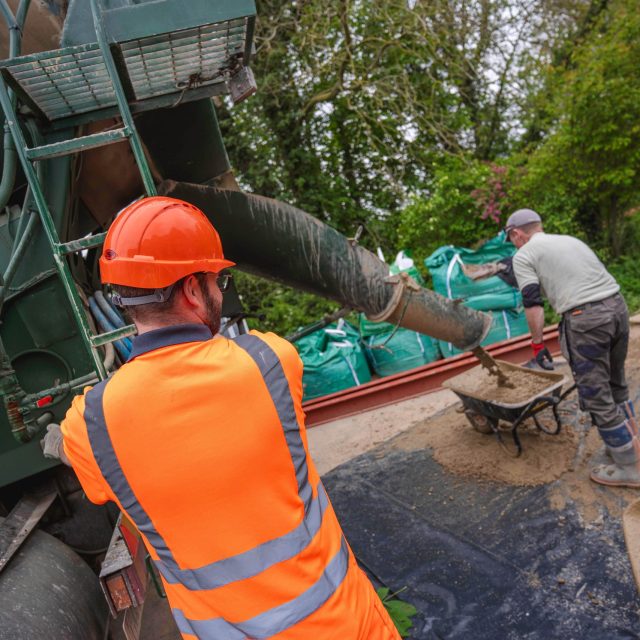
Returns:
point(116, 321)
point(114, 317)
point(104, 324)
point(24, 232)
point(16, 256)
point(21, 239)
point(109, 356)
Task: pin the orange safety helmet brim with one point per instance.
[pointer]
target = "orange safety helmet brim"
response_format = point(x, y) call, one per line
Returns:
point(158, 240)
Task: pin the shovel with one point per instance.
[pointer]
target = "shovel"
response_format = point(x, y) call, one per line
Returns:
point(482, 271)
point(631, 527)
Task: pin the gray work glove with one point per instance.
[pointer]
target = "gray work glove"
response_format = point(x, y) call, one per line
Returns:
point(52, 442)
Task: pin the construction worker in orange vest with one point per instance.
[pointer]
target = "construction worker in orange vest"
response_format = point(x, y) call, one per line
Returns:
point(201, 441)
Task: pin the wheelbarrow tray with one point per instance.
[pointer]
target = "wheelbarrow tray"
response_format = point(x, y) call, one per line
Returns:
point(537, 384)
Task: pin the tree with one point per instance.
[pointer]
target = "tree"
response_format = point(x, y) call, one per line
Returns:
point(415, 118)
point(593, 152)
point(358, 101)
point(452, 213)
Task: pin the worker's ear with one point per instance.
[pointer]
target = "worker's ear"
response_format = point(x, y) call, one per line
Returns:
point(191, 291)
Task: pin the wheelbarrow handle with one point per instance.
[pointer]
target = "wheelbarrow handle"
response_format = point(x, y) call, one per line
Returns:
point(565, 393)
point(532, 407)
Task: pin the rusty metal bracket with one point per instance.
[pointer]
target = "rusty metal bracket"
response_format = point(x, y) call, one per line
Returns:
point(124, 578)
point(21, 521)
point(356, 238)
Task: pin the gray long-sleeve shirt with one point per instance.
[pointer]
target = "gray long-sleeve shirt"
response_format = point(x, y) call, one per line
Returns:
point(568, 271)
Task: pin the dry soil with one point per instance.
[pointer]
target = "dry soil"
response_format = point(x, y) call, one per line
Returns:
point(463, 451)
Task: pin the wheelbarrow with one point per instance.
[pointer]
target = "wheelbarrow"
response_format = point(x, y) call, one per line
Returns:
point(534, 392)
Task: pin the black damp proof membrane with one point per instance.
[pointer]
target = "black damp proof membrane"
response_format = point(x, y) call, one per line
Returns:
point(484, 561)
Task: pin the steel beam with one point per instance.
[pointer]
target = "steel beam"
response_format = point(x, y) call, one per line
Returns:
point(417, 382)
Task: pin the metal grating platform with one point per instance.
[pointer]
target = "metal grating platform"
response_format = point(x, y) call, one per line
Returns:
point(74, 80)
point(62, 82)
point(178, 61)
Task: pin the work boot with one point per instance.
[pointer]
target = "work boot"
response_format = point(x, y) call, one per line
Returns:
point(624, 446)
point(602, 456)
point(629, 412)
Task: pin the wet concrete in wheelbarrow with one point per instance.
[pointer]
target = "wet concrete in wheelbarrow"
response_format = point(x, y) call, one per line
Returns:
point(488, 546)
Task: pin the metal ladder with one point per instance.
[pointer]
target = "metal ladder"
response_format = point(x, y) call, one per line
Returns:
point(29, 156)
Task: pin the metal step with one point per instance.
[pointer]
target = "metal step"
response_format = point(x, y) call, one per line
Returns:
point(63, 82)
point(177, 62)
point(111, 336)
point(83, 143)
point(75, 246)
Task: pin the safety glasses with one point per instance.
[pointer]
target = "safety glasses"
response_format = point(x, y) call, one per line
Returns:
point(224, 281)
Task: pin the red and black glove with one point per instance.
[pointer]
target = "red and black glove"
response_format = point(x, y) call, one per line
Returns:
point(541, 356)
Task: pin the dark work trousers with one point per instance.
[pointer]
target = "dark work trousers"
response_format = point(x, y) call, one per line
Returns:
point(594, 338)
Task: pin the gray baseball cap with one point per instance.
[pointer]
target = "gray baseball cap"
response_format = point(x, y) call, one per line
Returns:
point(521, 217)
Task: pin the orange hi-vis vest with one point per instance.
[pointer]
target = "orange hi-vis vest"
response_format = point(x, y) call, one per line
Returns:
point(202, 443)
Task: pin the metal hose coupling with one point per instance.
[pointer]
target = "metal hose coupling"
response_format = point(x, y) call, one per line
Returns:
point(403, 287)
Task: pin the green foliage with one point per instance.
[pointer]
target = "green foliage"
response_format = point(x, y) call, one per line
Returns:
point(449, 213)
point(400, 612)
point(626, 271)
point(428, 122)
point(278, 308)
point(359, 101)
point(588, 169)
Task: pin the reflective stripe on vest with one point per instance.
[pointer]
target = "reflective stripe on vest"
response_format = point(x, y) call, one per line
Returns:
point(254, 561)
point(107, 461)
point(273, 375)
point(279, 618)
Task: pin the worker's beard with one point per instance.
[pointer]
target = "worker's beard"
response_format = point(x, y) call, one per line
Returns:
point(213, 309)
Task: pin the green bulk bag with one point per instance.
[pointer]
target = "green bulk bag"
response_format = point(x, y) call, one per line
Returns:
point(318, 340)
point(390, 353)
point(333, 360)
point(508, 299)
point(369, 328)
point(506, 324)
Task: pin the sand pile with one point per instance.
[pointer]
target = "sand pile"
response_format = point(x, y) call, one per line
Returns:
point(567, 457)
point(460, 449)
point(523, 384)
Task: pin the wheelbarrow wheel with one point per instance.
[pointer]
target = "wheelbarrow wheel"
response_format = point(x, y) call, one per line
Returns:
point(481, 423)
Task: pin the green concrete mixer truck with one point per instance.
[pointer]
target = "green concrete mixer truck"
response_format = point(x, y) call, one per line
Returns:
point(122, 109)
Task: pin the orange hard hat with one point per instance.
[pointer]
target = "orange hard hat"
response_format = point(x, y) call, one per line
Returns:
point(156, 241)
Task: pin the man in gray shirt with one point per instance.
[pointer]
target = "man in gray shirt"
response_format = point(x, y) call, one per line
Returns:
point(594, 334)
